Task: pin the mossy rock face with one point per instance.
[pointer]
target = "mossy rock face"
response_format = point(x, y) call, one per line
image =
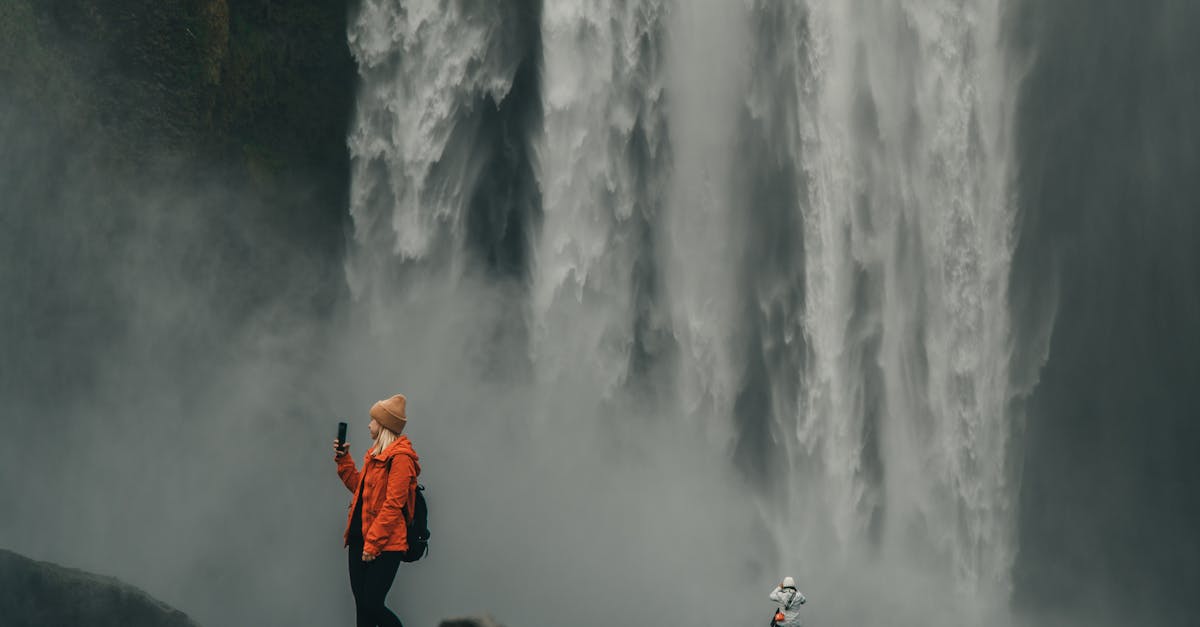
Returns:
point(36, 593)
point(251, 96)
point(197, 145)
point(142, 74)
point(261, 88)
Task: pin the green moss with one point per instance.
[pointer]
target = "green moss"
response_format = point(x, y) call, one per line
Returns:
point(289, 79)
point(35, 72)
point(259, 89)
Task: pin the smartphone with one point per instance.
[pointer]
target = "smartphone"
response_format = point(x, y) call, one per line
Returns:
point(341, 433)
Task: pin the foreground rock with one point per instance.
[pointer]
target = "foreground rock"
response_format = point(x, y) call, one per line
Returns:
point(35, 594)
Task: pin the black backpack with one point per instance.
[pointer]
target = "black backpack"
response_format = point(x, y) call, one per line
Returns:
point(418, 529)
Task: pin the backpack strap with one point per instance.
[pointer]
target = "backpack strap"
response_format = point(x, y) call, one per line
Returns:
point(406, 510)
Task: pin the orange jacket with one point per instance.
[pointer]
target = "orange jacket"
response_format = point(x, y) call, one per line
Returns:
point(387, 485)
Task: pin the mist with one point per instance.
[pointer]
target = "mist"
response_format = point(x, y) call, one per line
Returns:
point(176, 389)
point(189, 454)
point(685, 297)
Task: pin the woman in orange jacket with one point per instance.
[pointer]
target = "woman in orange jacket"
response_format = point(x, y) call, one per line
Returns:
point(377, 529)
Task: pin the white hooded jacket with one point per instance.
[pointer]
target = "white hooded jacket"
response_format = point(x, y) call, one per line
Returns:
point(789, 601)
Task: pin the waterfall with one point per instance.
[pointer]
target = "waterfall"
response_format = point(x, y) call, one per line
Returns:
point(891, 124)
point(431, 134)
point(603, 166)
point(793, 221)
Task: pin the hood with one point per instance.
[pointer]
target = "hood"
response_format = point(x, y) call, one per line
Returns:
point(402, 446)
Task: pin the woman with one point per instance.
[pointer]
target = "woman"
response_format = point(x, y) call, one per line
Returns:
point(377, 531)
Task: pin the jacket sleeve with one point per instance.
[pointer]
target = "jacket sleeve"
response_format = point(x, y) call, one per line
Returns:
point(348, 471)
point(789, 598)
point(390, 519)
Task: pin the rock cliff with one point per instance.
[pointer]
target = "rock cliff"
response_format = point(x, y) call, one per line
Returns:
point(36, 594)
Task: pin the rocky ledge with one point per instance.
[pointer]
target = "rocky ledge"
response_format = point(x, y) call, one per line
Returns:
point(36, 594)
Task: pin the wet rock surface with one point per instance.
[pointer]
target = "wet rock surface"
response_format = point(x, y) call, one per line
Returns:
point(34, 593)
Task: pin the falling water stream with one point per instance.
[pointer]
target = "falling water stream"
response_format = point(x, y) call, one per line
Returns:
point(793, 221)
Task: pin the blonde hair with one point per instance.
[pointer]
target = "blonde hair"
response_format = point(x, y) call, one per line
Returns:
point(385, 439)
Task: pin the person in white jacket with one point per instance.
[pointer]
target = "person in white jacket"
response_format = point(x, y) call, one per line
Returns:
point(789, 600)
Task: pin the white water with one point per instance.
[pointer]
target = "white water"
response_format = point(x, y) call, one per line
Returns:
point(704, 248)
point(884, 328)
point(602, 95)
point(934, 240)
point(427, 67)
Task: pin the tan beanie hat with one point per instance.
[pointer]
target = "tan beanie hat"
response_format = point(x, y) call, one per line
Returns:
point(389, 413)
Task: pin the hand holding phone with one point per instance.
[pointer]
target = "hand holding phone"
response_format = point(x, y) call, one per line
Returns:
point(339, 445)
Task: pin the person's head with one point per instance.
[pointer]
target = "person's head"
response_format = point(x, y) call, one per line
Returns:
point(788, 582)
point(388, 419)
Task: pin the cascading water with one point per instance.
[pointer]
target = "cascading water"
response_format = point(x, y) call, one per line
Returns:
point(807, 247)
point(602, 169)
point(433, 76)
point(896, 119)
point(687, 295)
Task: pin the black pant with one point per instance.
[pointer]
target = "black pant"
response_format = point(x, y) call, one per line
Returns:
point(370, 582)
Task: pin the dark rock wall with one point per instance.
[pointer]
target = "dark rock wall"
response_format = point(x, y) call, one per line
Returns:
point(194, 148)
point(1108, 157)
point(261, 85)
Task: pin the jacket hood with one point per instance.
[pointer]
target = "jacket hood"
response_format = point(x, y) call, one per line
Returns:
point(402, 446)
